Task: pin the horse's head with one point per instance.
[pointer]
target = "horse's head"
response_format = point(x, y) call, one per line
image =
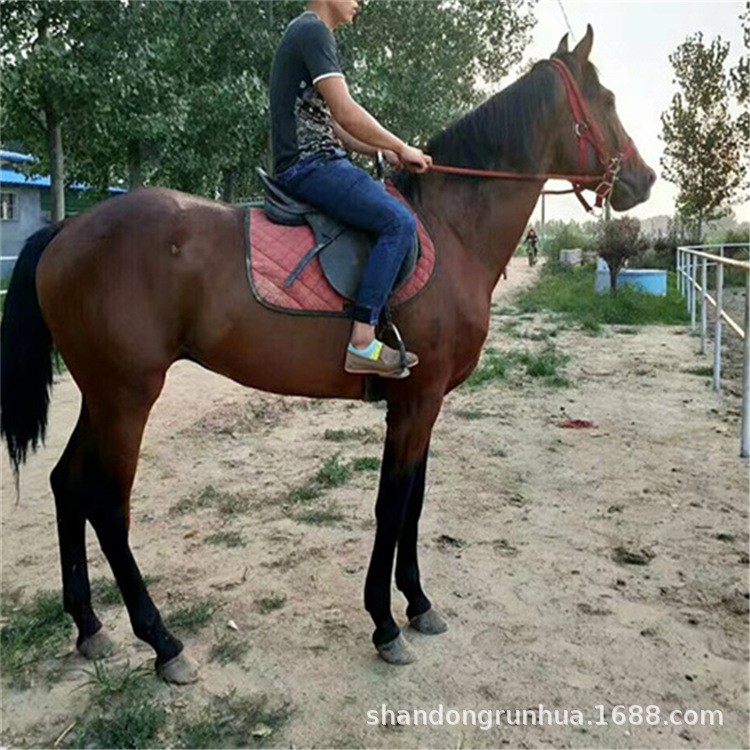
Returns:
point(593, 141)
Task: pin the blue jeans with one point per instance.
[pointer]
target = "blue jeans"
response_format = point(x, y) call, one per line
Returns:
point(330, 182)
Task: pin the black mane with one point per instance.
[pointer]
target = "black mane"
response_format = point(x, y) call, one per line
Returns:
point(501, 132)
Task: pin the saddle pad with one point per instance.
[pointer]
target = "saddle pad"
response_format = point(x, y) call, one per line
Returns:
point(273, 252)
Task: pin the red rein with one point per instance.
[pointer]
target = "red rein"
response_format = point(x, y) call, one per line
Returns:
point(588, 131)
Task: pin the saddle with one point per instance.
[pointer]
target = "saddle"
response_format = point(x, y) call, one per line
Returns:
point(342, 250)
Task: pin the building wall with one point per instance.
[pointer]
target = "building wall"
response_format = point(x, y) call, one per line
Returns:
point(14, 233)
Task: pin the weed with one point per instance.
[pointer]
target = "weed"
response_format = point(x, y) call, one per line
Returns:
point(304, 494)
point(229, 649)
point(320, 516)
point(493, 366)
point(226, 504)
point(366, 463)
point(360, 434)
point(227, 539)
point(271, 603)
point(133, 722)
point(110, 682)
point(193, 617)
point(704, 372)
point(333, 473)
point(545, 364)
point(472, 414)
point(229, 721)
point(35, 631)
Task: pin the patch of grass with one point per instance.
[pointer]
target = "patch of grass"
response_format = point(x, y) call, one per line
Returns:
point(227, 539)
point(111, 682)
point(304, 493)
point(629, 331)
point(225, 504)
point(229, 650)
point(34, 632)
point(472, 414)
point(571, 291)
point(321, 516)
point(366, 463)
point(333, 473)
point(270, 604)
point(493, 366)
point(545, 364)
point(360, 434)
point(193, 617)
point(704, 372)
point(229, 721)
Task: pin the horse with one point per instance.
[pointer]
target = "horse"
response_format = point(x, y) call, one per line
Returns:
point(145, 279)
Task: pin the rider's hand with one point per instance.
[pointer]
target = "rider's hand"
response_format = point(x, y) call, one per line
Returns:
point(414, 159)
point(392, 158)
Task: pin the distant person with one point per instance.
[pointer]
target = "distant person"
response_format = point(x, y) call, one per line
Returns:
point(532, 245)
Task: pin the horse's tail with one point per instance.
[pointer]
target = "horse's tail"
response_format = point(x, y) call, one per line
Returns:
point(25, 355)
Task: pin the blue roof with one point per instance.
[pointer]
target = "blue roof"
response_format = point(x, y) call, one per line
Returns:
point(9, 177)
point(15, 156)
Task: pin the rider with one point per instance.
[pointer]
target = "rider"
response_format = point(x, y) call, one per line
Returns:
point(313, 117)
point(531, 244)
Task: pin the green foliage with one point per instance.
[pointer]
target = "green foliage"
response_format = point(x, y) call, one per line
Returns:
point(271, 604)
point(226, 539)
point(193, 617)
point(328, 516)
point(366, 463)
point(493, 366)
point(560, 235)
point(33, 632)
point(229, 649)
point(620, 239)
point(704, 145)
point(571, 292)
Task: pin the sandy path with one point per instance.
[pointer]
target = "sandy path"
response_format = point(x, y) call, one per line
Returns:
point(522, 520)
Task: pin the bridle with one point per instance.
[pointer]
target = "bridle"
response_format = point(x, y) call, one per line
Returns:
point(589, 134)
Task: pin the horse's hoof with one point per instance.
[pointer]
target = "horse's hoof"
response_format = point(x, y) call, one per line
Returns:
point(97, 646)
point(430, 622)
point(397, 651)
point(182, 670)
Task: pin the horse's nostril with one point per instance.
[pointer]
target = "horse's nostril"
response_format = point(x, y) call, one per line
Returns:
point(651, 177)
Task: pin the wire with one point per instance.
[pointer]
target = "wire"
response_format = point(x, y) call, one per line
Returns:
point(567, 23)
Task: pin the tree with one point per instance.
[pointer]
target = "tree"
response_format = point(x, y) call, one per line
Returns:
point(703, 154)
point(620, 239)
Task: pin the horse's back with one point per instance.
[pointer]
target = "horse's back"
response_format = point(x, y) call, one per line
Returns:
point(126, 278)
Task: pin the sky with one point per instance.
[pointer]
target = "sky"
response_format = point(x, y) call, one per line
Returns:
point(632, 43)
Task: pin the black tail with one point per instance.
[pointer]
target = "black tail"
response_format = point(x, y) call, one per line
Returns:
point(25, 355)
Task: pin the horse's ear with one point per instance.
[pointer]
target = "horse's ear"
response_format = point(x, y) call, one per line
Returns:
point(562, 48)
point(583, 48)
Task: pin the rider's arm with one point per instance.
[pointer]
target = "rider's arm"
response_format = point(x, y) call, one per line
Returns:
point(353, 144)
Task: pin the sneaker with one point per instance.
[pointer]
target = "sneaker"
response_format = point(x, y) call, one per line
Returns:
point(379, 359)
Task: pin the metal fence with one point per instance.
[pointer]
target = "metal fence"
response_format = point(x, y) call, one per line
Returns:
point(692, 264)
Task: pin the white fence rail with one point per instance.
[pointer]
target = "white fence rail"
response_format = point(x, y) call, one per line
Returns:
point(694, 287)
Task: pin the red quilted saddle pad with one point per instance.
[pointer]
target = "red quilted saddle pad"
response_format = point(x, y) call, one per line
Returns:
point(273, 252)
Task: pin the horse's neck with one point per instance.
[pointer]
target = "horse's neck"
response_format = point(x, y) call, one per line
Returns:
point(487, 219)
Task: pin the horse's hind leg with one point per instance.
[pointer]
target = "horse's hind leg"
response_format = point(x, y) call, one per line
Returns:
point(112, 437)
point(92, 640)
point(421, 614)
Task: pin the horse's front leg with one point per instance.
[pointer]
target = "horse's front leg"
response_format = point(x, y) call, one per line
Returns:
point(422, 615)
point(410, 424)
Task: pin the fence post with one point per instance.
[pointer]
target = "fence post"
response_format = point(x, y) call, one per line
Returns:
point(677, 269)
point(693, 280)
point(717, 327)
point(704, 309)
point(745, 426)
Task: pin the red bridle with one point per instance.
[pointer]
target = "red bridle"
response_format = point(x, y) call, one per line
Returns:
point(588, 132)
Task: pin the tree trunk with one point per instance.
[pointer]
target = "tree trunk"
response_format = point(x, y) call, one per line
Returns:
point(613, 271)
point(57, 166)
point(135, 164)
point(228, 184)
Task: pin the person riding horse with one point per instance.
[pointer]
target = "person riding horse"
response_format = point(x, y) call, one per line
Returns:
point(532, 245)
point(313, 117)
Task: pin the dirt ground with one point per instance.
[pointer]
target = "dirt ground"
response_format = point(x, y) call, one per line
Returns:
point(529, 544)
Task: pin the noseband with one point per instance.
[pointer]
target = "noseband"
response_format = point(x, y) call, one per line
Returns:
point(588, 133)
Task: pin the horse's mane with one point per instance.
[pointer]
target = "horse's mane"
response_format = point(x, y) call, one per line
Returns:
point(501, 133)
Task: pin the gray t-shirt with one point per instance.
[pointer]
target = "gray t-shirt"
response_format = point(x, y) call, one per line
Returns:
point(301, 123)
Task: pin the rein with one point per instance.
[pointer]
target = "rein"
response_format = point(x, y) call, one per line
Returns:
point(588, 132)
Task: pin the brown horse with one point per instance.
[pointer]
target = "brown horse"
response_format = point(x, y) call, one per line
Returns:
point(143, 280)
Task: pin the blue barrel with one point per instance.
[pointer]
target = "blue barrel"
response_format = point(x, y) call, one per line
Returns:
point(648, 280)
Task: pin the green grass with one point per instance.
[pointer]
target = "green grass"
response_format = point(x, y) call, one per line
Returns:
point(704, 372)
point(35, 631)
point(105, 592)
point(320, 516)
point(571, 291)
point(229, 649)
point(472, 414)
point(270, 604)
point(494, 365)
point(226, 504)
point(226, 539)
point(193, 617)
point(360, 434)
point(545, 364)
point(366, 463)
point(229, 721)
point(332, 474)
